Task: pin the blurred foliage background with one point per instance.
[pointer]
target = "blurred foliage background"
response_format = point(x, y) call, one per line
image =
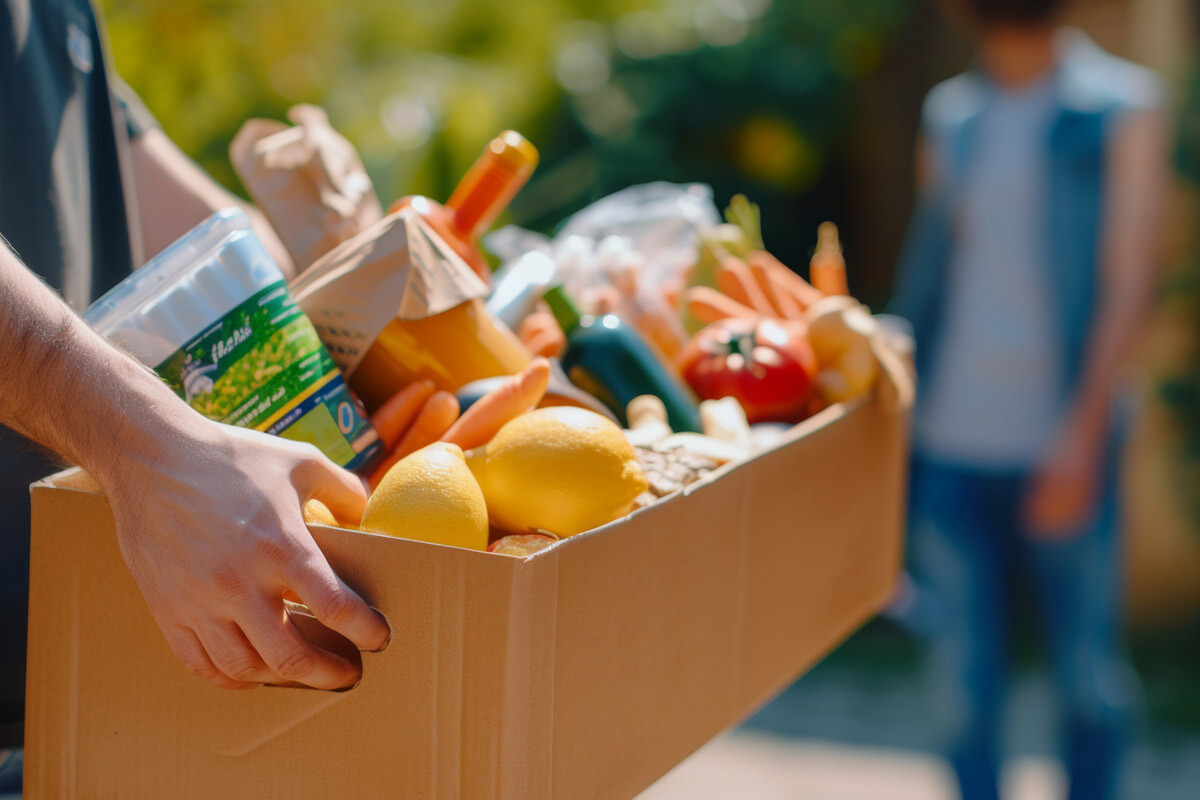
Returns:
point(746, 95)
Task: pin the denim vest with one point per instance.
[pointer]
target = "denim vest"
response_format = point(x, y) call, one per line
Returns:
point(1092, 90)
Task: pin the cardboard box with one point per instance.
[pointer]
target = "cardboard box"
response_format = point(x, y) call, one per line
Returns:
point(585, 671)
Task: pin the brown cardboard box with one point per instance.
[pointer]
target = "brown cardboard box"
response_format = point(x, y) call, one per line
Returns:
point(585, 671)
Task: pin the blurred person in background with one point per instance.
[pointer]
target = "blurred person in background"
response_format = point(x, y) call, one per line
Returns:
point(1030, 262)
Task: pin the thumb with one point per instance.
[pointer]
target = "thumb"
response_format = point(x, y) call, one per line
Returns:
point(340, 490)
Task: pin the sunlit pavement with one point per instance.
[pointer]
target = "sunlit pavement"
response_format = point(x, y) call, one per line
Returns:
point(755, 766)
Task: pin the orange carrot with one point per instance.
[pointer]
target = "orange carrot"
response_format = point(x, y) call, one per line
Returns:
point(672, 292)
point(661, 329)
point(804, 293)
point(605, 300)
point(393, 417)
point(437, 415)
point(828, 267)
point(490, 413)
point(735, 280)
point(548, 343)
point(709, 305)
point(540, 334)
point(785, 305)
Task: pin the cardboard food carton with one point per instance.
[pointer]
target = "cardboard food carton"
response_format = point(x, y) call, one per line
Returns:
point(584, 671)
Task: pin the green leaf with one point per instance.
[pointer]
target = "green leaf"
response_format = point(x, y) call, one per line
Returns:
point(746, 215)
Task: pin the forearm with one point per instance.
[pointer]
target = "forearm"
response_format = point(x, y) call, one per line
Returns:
point(1114, 335)
point(174, 195)
point(63, 386)
point(1130, 258)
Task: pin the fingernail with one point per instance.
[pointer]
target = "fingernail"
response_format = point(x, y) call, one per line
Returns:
point(388, 623)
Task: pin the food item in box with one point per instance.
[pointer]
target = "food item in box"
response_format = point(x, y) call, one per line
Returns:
point(513, 397)
point(767, 367)
point(562, 470)
point(481, 195)
point(521, 544)
point(396, 305)
point(736, 280)
point(452, 348)
point(430, 496)
point(431, 423)
point(213, 316)
point(608, 358)
point(709, 447)
point(559, 392)
point(647, 421)
point(317, 513)
point(709, 305)
point(540, 334)
point(791, 292)
point(828, 267)
point(518, 286)
point(840, 331)
point(308, 180)
point(669, 471)
point(394, 417)
point(725, 419)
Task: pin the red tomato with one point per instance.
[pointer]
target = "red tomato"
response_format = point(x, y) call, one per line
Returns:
point(769, 368)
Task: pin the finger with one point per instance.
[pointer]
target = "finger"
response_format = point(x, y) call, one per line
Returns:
point(233, 654)
point(341, 491)
point(292, 657)
point(191, 653)
point(336, 605)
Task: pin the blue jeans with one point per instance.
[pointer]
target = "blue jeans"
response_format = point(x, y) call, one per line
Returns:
point(968, 543)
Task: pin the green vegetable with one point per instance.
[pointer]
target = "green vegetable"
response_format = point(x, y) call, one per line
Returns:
point(746, 215)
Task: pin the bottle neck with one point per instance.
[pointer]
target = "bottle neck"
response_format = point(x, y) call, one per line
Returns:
point(491, 183)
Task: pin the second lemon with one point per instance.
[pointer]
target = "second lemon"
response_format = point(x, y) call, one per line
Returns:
point(563, 470)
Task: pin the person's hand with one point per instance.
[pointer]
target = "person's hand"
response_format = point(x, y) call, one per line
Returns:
point(1063, 495)
point(212, 530)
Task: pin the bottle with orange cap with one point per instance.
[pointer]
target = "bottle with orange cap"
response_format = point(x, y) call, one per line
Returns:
point(482, 194)
point(465, 343)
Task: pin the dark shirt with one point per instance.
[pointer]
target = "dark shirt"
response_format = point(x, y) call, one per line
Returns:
point(64, 136)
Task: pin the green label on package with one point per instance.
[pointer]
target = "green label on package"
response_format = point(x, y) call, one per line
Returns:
point(263, 366)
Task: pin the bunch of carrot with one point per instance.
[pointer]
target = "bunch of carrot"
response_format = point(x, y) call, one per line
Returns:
point(417, 415)
point(761, 285)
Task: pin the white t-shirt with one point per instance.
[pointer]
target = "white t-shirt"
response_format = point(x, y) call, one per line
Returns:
point(993, 397)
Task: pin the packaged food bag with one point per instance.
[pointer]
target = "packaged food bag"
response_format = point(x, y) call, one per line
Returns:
point(307, 179)
point(212, 315)
point(396, 304)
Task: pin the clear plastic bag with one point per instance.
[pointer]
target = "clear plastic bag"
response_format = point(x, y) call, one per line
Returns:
point(661, 221)
point(627, 253)
point(658, 225)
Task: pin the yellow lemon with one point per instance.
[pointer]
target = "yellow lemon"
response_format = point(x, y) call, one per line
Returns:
point(430, 496)
point(564, 470)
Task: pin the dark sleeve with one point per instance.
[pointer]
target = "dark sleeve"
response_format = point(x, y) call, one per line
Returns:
point(137, 117)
